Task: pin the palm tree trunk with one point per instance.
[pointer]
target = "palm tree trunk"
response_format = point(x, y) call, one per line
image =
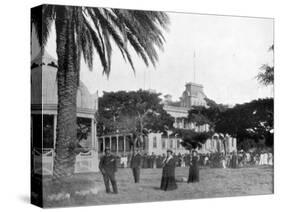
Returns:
point(67, 81)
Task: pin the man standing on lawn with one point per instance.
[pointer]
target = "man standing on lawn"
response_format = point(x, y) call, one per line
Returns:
point(108, 167)
point(136, 165)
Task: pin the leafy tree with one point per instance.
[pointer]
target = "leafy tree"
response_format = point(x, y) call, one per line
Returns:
point(84, 32)
point(192, 139)
point(138, 112)
point(249, 120)
point(200, 115)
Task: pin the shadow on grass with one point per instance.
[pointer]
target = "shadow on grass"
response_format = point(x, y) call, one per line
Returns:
point(151, 187)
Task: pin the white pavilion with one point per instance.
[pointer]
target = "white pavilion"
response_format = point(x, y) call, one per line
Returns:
point(44, 118)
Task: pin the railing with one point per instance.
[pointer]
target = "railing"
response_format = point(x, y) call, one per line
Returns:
point(86, 162)
point(43, 161)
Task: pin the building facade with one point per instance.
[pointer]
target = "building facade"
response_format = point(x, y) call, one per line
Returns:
point(158, 144)
point(193, 95)
point(44, 119)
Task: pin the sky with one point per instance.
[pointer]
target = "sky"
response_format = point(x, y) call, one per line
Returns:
point(223, 53)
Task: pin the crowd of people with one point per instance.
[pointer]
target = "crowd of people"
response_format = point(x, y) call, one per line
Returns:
point(109, 163)
point(168, 162)
point(213, 160)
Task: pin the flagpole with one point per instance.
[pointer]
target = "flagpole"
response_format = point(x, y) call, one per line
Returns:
point(194, 68)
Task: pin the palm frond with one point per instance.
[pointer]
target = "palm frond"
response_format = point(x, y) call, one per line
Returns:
point(98, 45)
point(266, 76)
point(96, 28)
point(41, 20)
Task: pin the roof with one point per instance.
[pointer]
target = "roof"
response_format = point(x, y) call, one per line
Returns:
point(44, 86)
point(43, 58)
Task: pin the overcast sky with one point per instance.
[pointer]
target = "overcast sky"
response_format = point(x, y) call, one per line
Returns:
point(228, 54)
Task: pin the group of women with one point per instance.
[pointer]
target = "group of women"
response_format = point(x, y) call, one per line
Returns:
point(168, 181)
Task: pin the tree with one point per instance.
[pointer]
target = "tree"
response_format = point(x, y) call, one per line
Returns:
point(192, 139)
point(200, 115)
point(137, 112)
point(266, 75)
point(83, 32)
point(249, 120)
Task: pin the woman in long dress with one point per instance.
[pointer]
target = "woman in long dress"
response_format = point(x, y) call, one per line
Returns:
point(194, 168)
point(223, 161)
point(234, 160)
point(168, 181)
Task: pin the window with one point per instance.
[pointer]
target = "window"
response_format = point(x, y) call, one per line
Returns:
point(100, 143)
point(127, 143)
point(171, 143)
point(48, 131)
point(113, 144)
point(163, 143)
point(154, 142)
point(42, 127)
point(121, 143)
point(178, 143)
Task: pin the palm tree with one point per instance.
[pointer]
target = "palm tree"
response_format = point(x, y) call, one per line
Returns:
point(84, 32)
point(266, 75)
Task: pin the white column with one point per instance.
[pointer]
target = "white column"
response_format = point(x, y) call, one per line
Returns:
point(93, 133)
point(124, 141)
point(55, 131)
point(117, 141)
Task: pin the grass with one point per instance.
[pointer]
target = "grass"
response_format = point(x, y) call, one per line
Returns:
point(215, 182)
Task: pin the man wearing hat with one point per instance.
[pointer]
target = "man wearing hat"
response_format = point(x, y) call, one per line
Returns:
point(136, 163)
point(168, 181)
point(108, 167)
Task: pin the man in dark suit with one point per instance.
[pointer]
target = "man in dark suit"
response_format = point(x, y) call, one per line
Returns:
point(108, 167)
point(136, 163)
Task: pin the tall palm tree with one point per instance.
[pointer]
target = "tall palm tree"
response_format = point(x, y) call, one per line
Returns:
point(266, 75)
point(84, 32)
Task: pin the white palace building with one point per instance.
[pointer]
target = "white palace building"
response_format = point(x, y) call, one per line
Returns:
point(193, 95)
point(157, 143)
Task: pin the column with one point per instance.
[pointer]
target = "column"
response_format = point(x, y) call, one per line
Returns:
point(110, 140)
point(55, 131)
point(124, 141)
point(117, 141)
point(93, 133)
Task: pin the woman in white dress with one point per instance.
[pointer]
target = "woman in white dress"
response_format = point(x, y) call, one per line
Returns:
point(265, 158)
point(270, 159)
point(261, 159)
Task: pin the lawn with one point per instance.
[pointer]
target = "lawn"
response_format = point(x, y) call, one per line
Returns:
point(88, 189)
